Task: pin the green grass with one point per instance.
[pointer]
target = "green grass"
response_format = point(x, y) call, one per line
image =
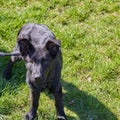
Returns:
point(89, 31)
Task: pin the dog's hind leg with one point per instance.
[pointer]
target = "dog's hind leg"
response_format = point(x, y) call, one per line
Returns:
point(8, 70)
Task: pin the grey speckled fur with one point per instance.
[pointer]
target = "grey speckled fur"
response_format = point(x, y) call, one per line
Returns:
point(43, 59)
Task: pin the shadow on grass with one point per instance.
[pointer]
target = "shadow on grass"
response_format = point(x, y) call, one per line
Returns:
point(10, 86)
point(85, 106)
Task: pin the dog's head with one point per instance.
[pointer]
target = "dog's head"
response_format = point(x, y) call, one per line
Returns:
point(39, 60)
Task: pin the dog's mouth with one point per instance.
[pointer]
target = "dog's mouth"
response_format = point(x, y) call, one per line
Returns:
point(40, 80)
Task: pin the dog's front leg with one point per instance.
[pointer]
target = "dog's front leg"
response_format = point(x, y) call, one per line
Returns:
point(59, 105)
point(35, 94)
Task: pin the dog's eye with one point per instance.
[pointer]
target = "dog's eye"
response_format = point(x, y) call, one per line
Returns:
point(33, 59)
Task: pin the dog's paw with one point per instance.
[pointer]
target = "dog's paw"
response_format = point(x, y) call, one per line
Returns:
point(29, 117)
point(61, 118)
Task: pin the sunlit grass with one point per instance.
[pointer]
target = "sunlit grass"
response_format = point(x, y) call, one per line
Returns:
point(89, 31)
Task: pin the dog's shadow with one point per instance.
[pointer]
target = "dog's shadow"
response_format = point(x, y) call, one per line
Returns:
point(84, 106)
point(79, 104)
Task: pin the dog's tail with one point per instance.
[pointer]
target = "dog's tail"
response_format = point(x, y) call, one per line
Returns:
point(17, 53)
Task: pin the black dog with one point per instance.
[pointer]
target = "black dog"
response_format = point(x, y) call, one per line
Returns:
point(43, 59)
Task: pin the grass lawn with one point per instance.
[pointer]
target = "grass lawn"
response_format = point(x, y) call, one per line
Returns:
point(89, 31)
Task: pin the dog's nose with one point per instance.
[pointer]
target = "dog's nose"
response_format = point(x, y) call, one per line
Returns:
point(37, 77)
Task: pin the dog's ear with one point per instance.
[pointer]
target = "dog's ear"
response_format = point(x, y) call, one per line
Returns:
point(53, 47)
point(26, 48)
